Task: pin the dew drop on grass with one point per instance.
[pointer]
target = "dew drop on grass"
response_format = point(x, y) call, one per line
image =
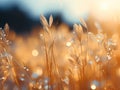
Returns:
point(94, 84)
point(7, 67)
point(25, 68)
point(97, 58)
point(22, 79)
point(109, 57)
point(99, 37)
point(46, 87)
point(46, 80)
point(40, 87)
point(68, 44)
point(37, 73)
point(93, 87)
point(2, 78)
point(35, 52)
point(41, 35)
point(66, 80)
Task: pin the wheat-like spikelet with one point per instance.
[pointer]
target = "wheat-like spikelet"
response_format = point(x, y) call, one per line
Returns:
point(67, 60)
point(12, 73)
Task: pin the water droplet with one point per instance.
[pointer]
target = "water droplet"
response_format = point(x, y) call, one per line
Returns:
point(7, 41)
point(99, 37)
point(94, 84)
point(109, 49)
point(73, 32)
point(93, 87)
point(46, 80)
point(66, 80)
point(41, 35)
point(35, 52)
point(68, 44)
point(46, 87)
point(4, 35)
point(97, 58)
point(40, 87)
point(22, 79)
point(109, 57)
point(7, 67)
point(2, 78)
point(27, 69)
point(0, 38)
point(111, 43)
point(38, 72)
point(34, 75)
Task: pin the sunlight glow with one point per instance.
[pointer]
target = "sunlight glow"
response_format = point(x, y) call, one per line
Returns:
point(35, 52)
point(104, 6)
point(93, 87)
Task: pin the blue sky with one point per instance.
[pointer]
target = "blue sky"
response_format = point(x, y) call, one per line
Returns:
point(71, 10)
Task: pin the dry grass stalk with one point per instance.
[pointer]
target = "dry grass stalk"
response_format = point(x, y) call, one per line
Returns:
point(88, 57)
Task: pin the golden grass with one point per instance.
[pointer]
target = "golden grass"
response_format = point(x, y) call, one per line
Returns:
point(59, 59)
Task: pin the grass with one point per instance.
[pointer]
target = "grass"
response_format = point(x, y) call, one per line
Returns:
point(64, 60)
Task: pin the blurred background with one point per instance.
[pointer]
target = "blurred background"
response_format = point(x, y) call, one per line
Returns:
point(28, 43)
point(23, 15)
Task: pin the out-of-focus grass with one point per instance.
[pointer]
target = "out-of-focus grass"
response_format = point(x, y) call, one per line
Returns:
point(56, 58)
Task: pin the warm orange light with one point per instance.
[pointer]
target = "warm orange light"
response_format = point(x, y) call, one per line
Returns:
point(35, 52)
point(104, 6)
point(93, 87)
